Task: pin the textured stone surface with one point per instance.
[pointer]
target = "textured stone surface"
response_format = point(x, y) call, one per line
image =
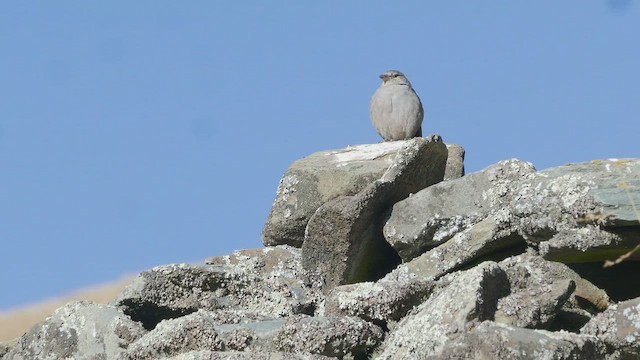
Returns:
point(79, 330)
point(455, 162)
point(537, 205)
point(235, 355)
point(466, 297)
point(250, 283)
point(437, 213)
point(469, 275)
point(175, 336)
point(619, 328)
point(498, 341)
point(310, 182)
point(386, 301)
point(343, 241)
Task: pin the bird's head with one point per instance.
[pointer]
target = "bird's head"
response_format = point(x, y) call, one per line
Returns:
point(394, 77)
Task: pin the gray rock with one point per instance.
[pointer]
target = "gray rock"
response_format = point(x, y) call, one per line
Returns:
point(6, 346)
point(610, 185)
point(536, 297)
point(175, 336)
point(540, 290)
point(310, 182)
point(588, 244)
point(235, 355)
point(491, 341)
point(329, 336)
point(455, 162)
point(465, 298)
point(343, 241)
point(437, 213)
point(385, 301)
point(78, 330)
point(619, 328)
point(257, 283)
point(335, 336)
point(492, 234)
point(538, 205)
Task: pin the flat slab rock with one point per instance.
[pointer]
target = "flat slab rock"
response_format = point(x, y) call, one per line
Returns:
point(266, 282)
point(310, 182)
point(323, 176)
point(78, 330)
point(538, 205)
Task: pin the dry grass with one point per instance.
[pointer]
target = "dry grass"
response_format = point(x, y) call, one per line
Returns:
point(14, 323)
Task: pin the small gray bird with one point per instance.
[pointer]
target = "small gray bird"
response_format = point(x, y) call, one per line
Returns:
point(395, 109)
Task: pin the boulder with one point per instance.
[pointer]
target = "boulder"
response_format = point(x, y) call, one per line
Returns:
point(538, 205)
point(498, 341)
point(464, 298)
point(619, 328)
point(257, 283)
point(437, 213)
point(343, 241)
point(328, 336)
point(312, 181)
point(78, 330)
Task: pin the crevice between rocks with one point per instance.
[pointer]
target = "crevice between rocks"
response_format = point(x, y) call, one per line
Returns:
point(150, 314)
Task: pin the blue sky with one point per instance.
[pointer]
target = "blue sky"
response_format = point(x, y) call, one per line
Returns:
point(139, 133)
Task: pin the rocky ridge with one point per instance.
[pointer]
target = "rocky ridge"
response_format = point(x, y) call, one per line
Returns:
point(389, 251)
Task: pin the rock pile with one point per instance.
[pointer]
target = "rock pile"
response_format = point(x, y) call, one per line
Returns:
point(389, 251)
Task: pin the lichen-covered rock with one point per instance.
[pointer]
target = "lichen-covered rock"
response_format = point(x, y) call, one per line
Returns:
point(238, 355)
point(310, 182)
point(539, 205)
point(384, 301)
point(6, 346)
point(539, 291)
point(619, 328)
point(78, 330)
point(466, 297)
point(175, 336)
point(343, 241)
point(250, 283)
point(493, 234)
point(334, 336)
point(490, 340)
point(437, 213)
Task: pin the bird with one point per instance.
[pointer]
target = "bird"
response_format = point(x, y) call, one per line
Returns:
point(395, 108)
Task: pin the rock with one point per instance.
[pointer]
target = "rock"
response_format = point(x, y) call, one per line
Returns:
point(619, 328)
point(465, 297)
point(536, 296)
point(587, 244)
point(539, 291)
point(492, 234)
point(265, 282)
point(498, 341)
point(455, 162)
point(385, 301)
point(310, 182)
point(235, 355)
point(539, 205)
point(437, 213)
point(343, 241)
point(78, 330)
point(6, 346)
point(329, 336)
point(341, 337)
point(175, 336)
point(394, 264)
point(611, 186)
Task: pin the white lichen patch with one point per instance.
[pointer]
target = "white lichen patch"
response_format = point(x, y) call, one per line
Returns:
point(365, 152)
